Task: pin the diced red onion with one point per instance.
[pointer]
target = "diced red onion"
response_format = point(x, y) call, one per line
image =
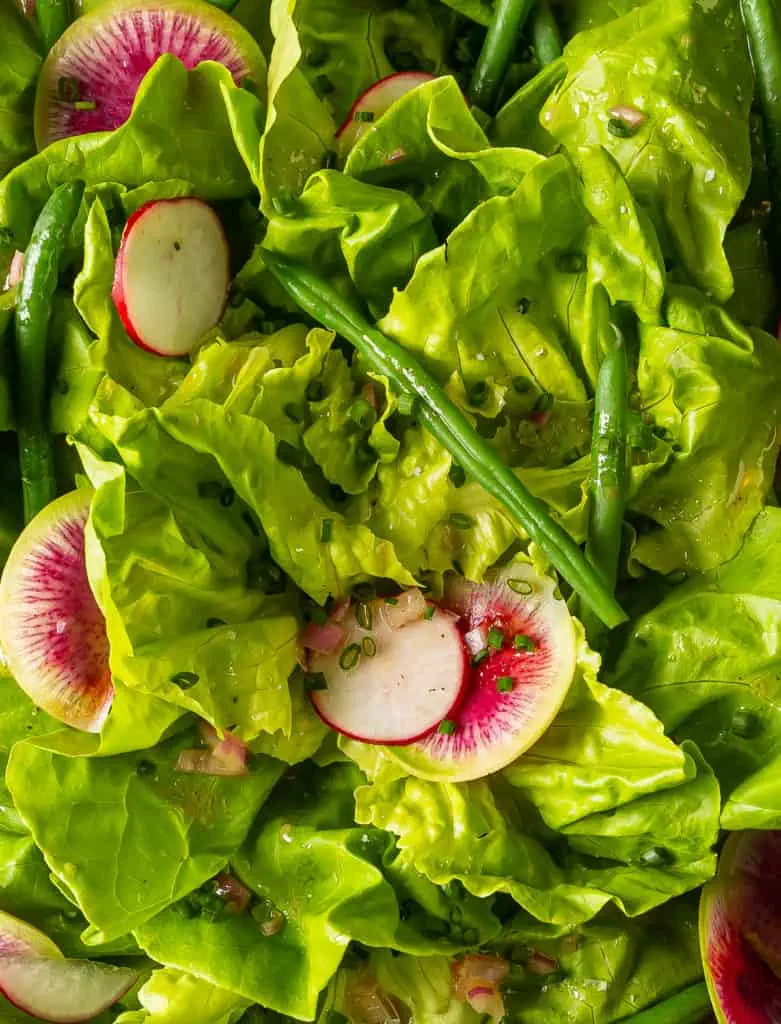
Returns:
point(15, 271)
point(368, 1004)
point(541, 963)
point(409, 607)
point(487, 1001)
point(370, 394)
point(631, 116)
point(236, 896)
point(476, 639)
point(323, 639)
point(207, 762)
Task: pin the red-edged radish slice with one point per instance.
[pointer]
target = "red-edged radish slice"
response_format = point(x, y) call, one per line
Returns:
point(373, 102)
point(52, 631)
point(740, 930)
point(63, 991)
point(172, 275)
point(392, 685)
point(516, 685)
point(17, 938)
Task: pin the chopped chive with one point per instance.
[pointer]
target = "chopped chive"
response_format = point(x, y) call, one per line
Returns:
point(429, 612)
point(227, 497)
point(405, 403)
point(447, 727)
point(620, 128)
point(522, 587)
point(85, 105)
point(457, 475)
point(363, 116)
point(544, 403)
point(495, 638)
point(461, 521)
point(326, 530)
point(293, 413)
point(522, 642)
point(250, 523)
point(362, 414)
point(364, 616)
point(505, 684)
point(314, 681)
point(391, 600)
point(350, 657)
point(68, 89)
point(215, 623)
point(185, 680)
point(571, 262)
point(479, 658)
point(524, 305)
point(522, 385)
point(369, 646)
point(478, 393)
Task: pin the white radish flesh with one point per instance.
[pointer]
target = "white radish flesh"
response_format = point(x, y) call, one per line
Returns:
point(374, 102)
point(62, 991)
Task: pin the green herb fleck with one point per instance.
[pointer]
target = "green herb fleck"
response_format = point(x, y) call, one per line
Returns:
point(479, 658)
point(522, 587)
point(350, 657)
point(461, 521)
point(505, 684)
point(326, 530)
point(185, 680)
point(429, 612)
point(369, 646)
point(495, 638)
point(447, 727)
point(522, 642)
point(364, 616)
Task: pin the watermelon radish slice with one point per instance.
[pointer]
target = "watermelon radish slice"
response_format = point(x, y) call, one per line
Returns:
point(740, 930)
point(523, 645)
point(51, 630)
point(172, 275)
point(90, 78)
point(391, 684)
point(372, 104)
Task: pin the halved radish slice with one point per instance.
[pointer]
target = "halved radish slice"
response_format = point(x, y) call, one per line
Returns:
point(740, 930)
point(172, 275)
point(372, 104)
point(17, 938)
point(392, 685)
point(63, 991)
point(51, 629)
point(518, 679)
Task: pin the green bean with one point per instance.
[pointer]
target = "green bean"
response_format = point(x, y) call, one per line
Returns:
point(609, 463)
point(33, 314)
point(546, 38)
point(691, 1006)
point(53, 17)
point(496, 54)
point(450, 427)
point(763, 26)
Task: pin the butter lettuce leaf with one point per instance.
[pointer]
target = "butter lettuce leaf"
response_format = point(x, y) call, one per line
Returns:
point(685, 65)
point(18, 74)
point(156, 835)
point(706, 661)
point(333, 882)
point(173, 997)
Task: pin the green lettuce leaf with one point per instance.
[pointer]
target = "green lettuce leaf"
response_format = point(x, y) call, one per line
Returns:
point(706, 661)
point(756, 295)
point(332, 882)
point(325, 55)
point(172, 997)
point(686, 66)
point(158, 835)
point(180, 128)
point(578, 822)
point(712, 388)
point(18, 75)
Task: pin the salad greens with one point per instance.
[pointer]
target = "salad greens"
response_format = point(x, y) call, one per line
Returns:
point(574, 256)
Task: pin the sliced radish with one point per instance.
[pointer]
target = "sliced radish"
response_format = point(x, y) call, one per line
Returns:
point(90, 79)
point(63, 991)
point(517, 682)
point(373, 102)
point(17, 938)
point(172, 275)
point(392, 685)
point(51, 629)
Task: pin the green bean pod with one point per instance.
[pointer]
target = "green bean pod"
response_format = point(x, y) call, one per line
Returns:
point(53, 17)
point(691, 1006)
point(450, 427)
point(546, 38)
point(609, 463)
point(496, 54)
point(33, 314)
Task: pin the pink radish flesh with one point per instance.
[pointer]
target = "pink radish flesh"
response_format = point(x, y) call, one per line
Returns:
point(414, 679)
point(51, 629)
point(744, 988)
point(17, 938)
point(515, 686)
point(91, 77)
point(63, 991)
point(378, 98)
point(172, 275)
